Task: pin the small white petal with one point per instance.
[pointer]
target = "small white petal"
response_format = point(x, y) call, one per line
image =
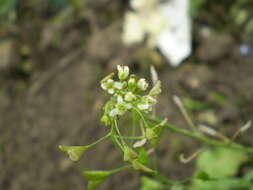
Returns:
point(119, 99)
point(114, 112)
point(119, 67)
point(129, 106)
point(143, 106)
point(111, 91)
point(139, 143)
point(118, 85)
point(104, 86)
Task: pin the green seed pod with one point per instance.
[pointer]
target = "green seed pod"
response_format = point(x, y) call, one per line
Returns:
point(150, 134)
point(138, 166)
point(129, 154)
point(74, 152)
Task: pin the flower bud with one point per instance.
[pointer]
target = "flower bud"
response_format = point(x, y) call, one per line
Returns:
point(122, 108)
point(105, 120)
point(123, 72)
point(107, 84)
point(132, 82)
point(142, 84)
point(156, 90)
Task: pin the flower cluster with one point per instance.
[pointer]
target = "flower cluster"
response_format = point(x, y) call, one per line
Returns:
point(127, 94)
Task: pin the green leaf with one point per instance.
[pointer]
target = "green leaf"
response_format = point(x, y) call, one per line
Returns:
point(221, 184)
point(203, 176)
point(220, 162)
point(93, 184)
point(143, 156)
point(7, 6)
point(158, 129)
point(74, 152)
point(218, 97)
point(195, 6)
point(150, 184)
point(96, 177)
point(177, 187)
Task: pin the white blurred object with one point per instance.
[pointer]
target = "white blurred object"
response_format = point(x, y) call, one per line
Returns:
point(167, 24)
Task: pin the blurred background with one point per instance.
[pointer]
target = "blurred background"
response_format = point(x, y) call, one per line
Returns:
point(53, 53)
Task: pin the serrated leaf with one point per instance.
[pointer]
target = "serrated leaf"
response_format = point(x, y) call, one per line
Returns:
point(74, 152)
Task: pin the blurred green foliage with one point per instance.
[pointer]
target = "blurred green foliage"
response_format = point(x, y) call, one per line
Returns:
point(217, 169)
point(150, 184)
point(6, 6)
point(192, 104)
point(195, 6)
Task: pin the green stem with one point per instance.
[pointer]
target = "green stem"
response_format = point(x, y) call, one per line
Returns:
point(204, 139)
point(118, 131)
point(99, 140)
point(130, 138)
point(143, 119)
point(121, 168)
point(114, 136)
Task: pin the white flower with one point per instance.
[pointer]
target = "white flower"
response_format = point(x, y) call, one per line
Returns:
point(118, 85)
point(119, 99)
point(114, 112)
point(142, 84)
point(107, 84)
point(103, 86)
point(123, 72)
point(130, 97)
point(129, 106)
point(151, 100)
point(144, 106)
point(111, 91)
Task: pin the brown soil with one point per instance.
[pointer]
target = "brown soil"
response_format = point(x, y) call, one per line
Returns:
point(59, 101)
